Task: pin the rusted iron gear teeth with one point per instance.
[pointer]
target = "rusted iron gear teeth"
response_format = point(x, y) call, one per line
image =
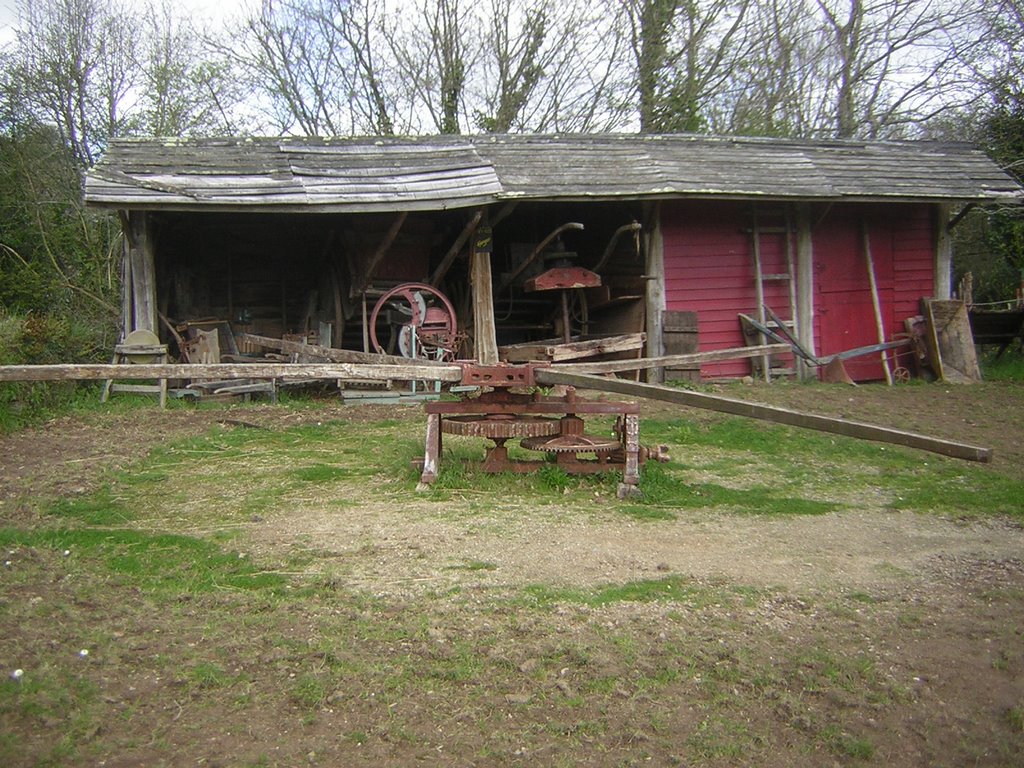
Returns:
point(571, 444)
point(497, 428)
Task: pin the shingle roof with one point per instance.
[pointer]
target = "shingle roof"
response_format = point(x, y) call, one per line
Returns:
point(438, 172)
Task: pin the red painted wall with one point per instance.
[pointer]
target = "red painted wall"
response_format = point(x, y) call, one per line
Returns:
point(709, 269)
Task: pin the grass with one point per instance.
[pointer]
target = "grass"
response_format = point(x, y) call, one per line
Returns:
point(189, 628)
point(669, 589)
point(1007, 367)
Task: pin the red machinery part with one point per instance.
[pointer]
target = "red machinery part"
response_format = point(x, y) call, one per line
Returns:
point(434, 324)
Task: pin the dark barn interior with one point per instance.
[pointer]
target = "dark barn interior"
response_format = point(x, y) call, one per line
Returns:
point(279, 273)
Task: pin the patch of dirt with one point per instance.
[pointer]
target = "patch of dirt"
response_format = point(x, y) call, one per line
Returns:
point(859, 637)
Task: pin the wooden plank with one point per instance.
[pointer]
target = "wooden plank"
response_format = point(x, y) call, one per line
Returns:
point(654, 293)
point(554, 350)
point(370, 266)
point(860, 430)
point(449, 257)
point(485, 337)
point(143, 272)
point(695, 358)
point(876, 304)
point(330, 353)
point(354, 371)
point(950, 342)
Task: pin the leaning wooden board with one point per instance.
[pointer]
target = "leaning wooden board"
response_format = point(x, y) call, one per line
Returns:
point(950, 342)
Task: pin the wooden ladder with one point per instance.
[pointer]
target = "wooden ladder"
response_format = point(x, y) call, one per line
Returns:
point(760, 278)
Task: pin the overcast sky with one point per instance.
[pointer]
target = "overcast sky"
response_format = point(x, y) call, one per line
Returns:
point(212, 11)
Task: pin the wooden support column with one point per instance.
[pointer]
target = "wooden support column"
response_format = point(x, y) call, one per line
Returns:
point(943, 277)
point(140, 269)
point(655, 291)
point(485, 336)
point(804, 285)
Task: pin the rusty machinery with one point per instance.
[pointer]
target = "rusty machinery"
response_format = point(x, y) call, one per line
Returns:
point(550, 424)
point(545, 423)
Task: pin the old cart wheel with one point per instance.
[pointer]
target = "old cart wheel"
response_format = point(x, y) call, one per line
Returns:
point(901, 375)
point(427, 325)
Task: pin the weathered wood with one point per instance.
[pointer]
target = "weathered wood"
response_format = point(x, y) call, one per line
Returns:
point(485, 338)
point(654, 291)
point(449, 257)
point(942, 276)
point(876, 304)
point(370, 265)
point(860, 430)
point(950, 343)
point(330, 353)
point(556, 350)
point(680, 336)
point(696, 358)
point(432, 173)
point(354, 371)
point(804, 286)
point(766, 362)
point(143, 272)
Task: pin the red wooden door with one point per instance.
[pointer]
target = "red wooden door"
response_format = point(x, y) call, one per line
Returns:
point(843, 305)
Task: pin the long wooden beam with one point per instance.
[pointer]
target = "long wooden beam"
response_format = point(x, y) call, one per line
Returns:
point(332, 354)
point(354, 371)
point(370, 266)
point(550, 376)
point(449, 257)
point(614, 366)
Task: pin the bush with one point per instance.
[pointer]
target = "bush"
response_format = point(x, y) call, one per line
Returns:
point(38, 339)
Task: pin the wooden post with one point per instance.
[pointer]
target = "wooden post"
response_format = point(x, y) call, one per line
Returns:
point(943, 278)
point(126, 282)
point(755, 234)
point(655, 291)
point(804, 284)
point(485, 336)
point(875, 303)
point(143, 272)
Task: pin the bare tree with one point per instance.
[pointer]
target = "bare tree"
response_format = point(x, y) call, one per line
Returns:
point(587, 86)
point(301, 67)
point(187, 88)
point(359, 23)
point(684, 52)
point(76, 59)
point(514, 49)
point(433, 52)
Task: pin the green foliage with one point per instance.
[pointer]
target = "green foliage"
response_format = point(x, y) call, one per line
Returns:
point(990, 243)
point(158, 562)
point(1007, 367)
point(40, 339)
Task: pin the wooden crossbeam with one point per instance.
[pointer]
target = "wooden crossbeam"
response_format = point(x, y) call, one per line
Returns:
point(551, 376)
point(615, 366)
point(353, 371)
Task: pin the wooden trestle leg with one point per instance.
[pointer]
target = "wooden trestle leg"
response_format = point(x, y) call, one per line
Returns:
point(432, 451)
point(631, 472)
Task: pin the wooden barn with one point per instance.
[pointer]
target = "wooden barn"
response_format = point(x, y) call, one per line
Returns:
point(676, 237)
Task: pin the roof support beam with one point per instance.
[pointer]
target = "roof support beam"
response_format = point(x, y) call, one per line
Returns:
point(449, 257)
point(363, 282)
